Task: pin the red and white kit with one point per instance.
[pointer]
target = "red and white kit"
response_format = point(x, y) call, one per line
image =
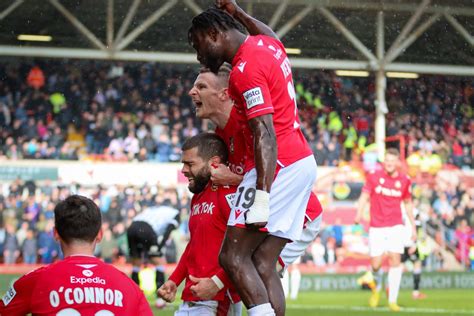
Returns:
point(386, 222)
point(261, 83)
point(207, 225)
point(78, 285)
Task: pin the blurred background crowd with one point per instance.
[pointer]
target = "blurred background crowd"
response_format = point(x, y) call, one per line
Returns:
point(87, 110)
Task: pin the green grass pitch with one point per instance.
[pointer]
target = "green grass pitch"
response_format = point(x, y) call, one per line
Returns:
point(354, 303)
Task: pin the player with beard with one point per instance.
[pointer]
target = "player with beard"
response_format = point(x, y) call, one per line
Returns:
point(210, 208)
point(212, 101)
point(385, 191)
point(270, 203)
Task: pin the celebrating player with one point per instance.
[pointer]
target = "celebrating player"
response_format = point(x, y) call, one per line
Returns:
point(80, 284)
point(146, 236)
point(278, 159)
point(206, 288)
point(211, 98)
point(386, 190)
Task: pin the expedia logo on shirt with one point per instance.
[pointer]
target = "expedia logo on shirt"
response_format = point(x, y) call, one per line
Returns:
point(95, 280)
point(253, 97)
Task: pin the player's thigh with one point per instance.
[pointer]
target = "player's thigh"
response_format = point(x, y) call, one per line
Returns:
point(270, 249)
point(294, 250)
point(378, 241)
point(202, 308)
point(394, 240)
point(241, 242)
point(289, 198)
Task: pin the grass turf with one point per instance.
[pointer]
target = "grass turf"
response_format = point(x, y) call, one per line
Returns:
point(439, 303)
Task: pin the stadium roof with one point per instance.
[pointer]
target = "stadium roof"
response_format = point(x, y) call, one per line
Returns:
point(423, 36)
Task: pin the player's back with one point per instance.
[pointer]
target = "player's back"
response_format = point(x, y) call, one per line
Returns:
point(261, 83)
point(78, 285)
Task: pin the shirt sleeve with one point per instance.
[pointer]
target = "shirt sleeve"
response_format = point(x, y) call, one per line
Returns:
point(252, 86)
point(406, 195)
point(181, 270)
point(17, 299)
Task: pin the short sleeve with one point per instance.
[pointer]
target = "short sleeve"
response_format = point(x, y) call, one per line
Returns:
point(251, 86)
point(406, 195)
point(17, 299)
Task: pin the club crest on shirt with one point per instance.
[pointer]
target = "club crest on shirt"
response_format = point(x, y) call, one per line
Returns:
point(382, 180)
point(398, 185)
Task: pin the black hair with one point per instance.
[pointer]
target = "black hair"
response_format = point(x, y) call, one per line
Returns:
point(77, 218)
point(213, 18)
point(209, 145)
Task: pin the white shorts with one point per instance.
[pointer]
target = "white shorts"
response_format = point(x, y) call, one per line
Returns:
point(288, 198)
point(206, 308)
point(386, 239)
point(294, 250)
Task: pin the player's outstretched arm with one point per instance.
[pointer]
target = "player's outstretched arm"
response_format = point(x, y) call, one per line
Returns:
point(253, 26)
point(409, 210)
point(265, 152)
point(361, 205)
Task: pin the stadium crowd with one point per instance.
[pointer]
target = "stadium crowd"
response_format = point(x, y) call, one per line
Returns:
point(26, 221)
point(141, 111)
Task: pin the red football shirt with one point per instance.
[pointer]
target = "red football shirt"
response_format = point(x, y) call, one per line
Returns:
point(386, 196)
point(232, 134)
point(82, 284)
point(261, 83)
point(209, 213)
point(233, 137)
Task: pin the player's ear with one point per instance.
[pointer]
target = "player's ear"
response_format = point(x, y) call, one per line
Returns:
point(56, 235)
point(224, 94)
point(213, 34)
point(99, 235)
point(214, 161)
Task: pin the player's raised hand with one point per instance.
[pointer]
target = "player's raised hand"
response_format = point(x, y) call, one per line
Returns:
point(203, 288)
point(168, 291)
point(222, 175)
point(230, 6)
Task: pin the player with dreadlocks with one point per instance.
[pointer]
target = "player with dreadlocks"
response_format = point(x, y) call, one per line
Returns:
point(269, 206)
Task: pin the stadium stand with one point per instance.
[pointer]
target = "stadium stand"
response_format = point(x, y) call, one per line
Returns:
point(88, 110)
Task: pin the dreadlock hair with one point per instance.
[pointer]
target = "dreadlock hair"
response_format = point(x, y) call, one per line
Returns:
point(223, 73)
point(213, 18)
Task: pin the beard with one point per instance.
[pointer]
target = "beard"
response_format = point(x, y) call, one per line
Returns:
point(201, 179)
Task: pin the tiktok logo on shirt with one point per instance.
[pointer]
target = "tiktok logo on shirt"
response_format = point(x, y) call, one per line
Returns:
point(203, 208)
